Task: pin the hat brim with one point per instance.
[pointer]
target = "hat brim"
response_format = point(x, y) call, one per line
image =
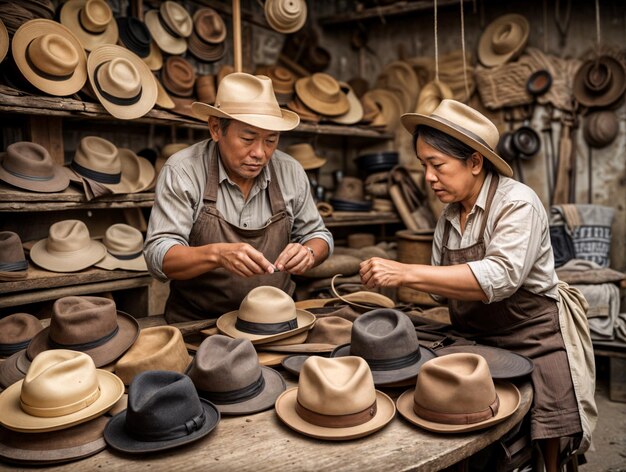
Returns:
point(116, 435)
point(13, 417)
point(74, 262)
point(111, 262)
point(298, 338)
point(609, 96)
point(354, 113)
point(410, 121)
point(163, 39)
point(486, 55)
point(13, 275)
point(226, 325)
point(286, 411)
point(286, 122)
point(76, 442)
point(14, 368)
point(270, 359)
point(19, 45)
point(312, 348)
point(57, 183)
point(503, 364)
point(147, 173)
point(508, 394)
point(163, 98)
point(382, 377)
point(154, 60)
point(338, 108)
point(69, 17)
point(104, 354)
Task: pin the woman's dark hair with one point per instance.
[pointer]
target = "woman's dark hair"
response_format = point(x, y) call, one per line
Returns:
point(448, 145)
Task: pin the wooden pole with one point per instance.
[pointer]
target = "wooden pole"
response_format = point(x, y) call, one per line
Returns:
point(237, 61)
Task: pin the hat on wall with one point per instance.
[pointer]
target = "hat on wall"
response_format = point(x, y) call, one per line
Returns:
point(13, 263)
point(305, 155)
point(88, 324)
point(249, 99)
point(601, 128)
point(4, 40)
point(207, 39)
point(29, 166)
point(62, 388)
point(465, 124)
point(322, 94)
point(354, 113)
point(266, 314)
point(169, 26)
point(68, 248)
point(286, 16)
point(122, 82)
point(16, 331)
point(335, 399)
point(91, 21)
point(455, 394)
point(135, 36)
point(227, 372)
point(50, 57)
point(164, 411)
point(502, 363)
point(178, 76)
point(124, 249)
point(503, 40)
point(600, 82)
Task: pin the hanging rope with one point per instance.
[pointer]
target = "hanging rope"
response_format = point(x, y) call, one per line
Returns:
point(467, 92)
point(436, 47)
point(545, 26)
point(598, 39)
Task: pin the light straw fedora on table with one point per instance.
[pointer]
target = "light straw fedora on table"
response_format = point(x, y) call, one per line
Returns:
point(600, 82)
point(4, 40)
point(16, 331)
point(503, 40)
point(354, 113)
point(62, 388)
point(124, 249)
point(266, 314)
point(122, 82)
point(286, 16)
point(335, 400)
point(207, 39)
point(135, 36)
point(13, 263)
point(249, 99)
point(29, 166)
point(50, 57)
point(465, 124)
point(305, 155)
point(91, 21)
point(322, 93)
point(169, 26)
point(456, 394)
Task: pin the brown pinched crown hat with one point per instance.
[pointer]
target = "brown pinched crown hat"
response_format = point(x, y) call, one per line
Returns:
point(13, 263)
point(169, 26)
point(16, 331)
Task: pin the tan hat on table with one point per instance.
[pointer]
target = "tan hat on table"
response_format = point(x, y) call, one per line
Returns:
point(29, 166)
point(286, 16)
point(91, 21)
point(322, 94)
point(207, 39)
point(503, 40)
point(169, 26)
point(16, 331)
point(305, 155)
point(354, 113)
point(124, 249)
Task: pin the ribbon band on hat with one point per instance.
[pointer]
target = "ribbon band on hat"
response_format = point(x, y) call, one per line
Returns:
point(395, 363)
point(166, 27)
point(191, 426)
point(336, 421)
point(61, 410)
point(85, 346)
point(101, 177)
point(86, 28)
point(236, 108)
point(14, 266)
point(44, 74)
point(238, 395)
point(9, 349)
point(463, 130)
point(266, 328)
point(113, 98)
point(36, 178)
point(126, 257)
point(458, 418)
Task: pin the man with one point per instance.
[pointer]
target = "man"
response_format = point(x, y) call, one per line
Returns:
point(232, 212)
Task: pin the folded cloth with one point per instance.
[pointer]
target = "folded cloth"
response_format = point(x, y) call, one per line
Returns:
point(580, 271)
point(620, 328)
point(604, 301)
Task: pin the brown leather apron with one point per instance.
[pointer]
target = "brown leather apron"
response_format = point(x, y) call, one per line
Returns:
point(219, 291)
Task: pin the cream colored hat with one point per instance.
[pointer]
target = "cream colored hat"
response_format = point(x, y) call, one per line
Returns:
point(503, 40)
point(91, 21)
point(286, 16)
point(355, 112)
point(169, 26)
point(124, 249)
point(305, 155)
point(322, 94)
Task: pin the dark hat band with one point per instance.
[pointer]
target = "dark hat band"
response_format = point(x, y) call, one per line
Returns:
point(236, 396)
point(460, 129)
point(396, 362)
point(126, 257)
point(113, 98)
point(41, 73)
point(185, 429)
point(9, 349)
point(101, 177)
point(18, 266)
point(457, 418)
point(265, 328)
point(132, 40)
point(336, 421)
point(84, 346)
point(35, 178)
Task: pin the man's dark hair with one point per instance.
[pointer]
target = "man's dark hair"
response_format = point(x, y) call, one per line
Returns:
point(224, 124)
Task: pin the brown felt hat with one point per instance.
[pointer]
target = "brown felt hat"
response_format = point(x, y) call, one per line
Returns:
point(14, 368)
point(169, 26)
point(205, 88)
point(207, 39)
point(88, 324)
point(13, 263)
point(286, 16)
point(91, 21)
point(327, 333)
point(124, 249)
point(178, 76)
point(600, 82)
point(503, 40)
point(305, 155)
point(322, 94)
point(16, 331)
point(29, 166)
point(4, 41)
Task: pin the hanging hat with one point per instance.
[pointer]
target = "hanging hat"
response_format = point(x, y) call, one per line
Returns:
point(286, 16)
point(503, 364)
point(178, 76)
point(164, 411)
point(156, 348)
point(207, 39)
point(163, 99)
point(88, 324)
point(29, 166)
point(68, 248)
point(455, 394)
point(601, 128)
point(13, 368)
point(4, 41)
point(322, 93)
point(62, 388)
point(205, 88)
point(50, 57)
point(16, 331)
point(431, 96)
point(354, 113)
point(122, 82)
point(265, 314)
point(227, 372)
point(91, 21)
point(305, 155)
point(135, 36)
point(465, 124)
point(249, 99)
point(503, 40)
point(124, 249)
point(599, 82)
point(13, 263)
point(169, 26)
point(335, 400)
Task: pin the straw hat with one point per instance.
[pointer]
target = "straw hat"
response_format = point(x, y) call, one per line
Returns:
point(600, 82)
point(503, 40)
point(135, 36)
point(286, 16)
point(335, 400)
point(29, 166)
point(601, 128)
point(322, 94)
point(68, 248)
point(169, 26)
point(303, 112)
point(62, 388)
point(305, 155)
point(455, 394)
point(4, 41)
point(16, 331)
point(122, 82)
point(465, 124)
point(283, 82)
point(399, 77)
point(390, 106)
point(431, 96)
point(207, 39)
point(91, 21)
point(163, 99)
point(354, 113)
point(50, 57)
point(124, 249)
point(266, 314)
point(249, 99)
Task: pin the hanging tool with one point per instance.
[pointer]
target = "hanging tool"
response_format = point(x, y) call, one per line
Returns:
point(562, 190)
point(546, 129)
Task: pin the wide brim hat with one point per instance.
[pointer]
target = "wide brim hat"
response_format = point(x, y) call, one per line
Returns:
point(507, 32)
point(128, 330)
point(70, 17)
point(354, 113)
point(610, 75)
point(80, 260)
point(164, 40)
point(4, 40)
point(456, 110)
point(117, 436)
point(14, 368)
point(503, 364)
point(286, 411)
point(270, 359)
point(54, 86)
point(508, 395)
point(304, 88)
point(57, 183)
point(111, 390)
point(111, 262)
point(306, 156)
point(293, 364)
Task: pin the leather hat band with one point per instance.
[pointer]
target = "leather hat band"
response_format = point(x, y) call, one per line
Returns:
point(61, 410)
point(180, 431)
point(84, 346)
point(458, 418)
point(265, 328)
point(336, 421)
point(395, 363)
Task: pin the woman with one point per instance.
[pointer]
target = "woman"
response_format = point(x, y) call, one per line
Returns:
point(492, 260)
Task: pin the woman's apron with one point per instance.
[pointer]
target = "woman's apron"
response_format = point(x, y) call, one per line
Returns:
point(219, 291)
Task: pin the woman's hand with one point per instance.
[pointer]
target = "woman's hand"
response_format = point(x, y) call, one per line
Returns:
point(378, 272)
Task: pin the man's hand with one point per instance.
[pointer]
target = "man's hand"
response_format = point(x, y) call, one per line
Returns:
point(378, 272)
point(295, 259)
point(243, 260)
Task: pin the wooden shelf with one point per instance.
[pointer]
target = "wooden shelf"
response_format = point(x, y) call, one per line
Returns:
point(360, 219)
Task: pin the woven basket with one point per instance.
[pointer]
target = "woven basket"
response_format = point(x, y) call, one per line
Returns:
point(504, 86)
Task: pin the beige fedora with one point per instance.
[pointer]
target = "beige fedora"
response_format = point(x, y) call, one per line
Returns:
point(335, 400)
point(4, 40)
point(503, 40)
point(354, 113)
point(124, 249)
point(465, 124)
point(16, 331)
point(68, 248)
point(266, 314)
point(137, 172)
point(169, 26)
point(62, 388)
point(322, 93)
point(91, 21)
point(50, 57)
point(286, 16)
point(305, 155)
point(156, 348)
point(456, 394)
point(29, 166)
point(122, 82)
point(249, 99)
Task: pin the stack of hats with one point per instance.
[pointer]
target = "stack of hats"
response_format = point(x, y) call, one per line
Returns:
point(283, 82)
point(306, 156)
point(169, 26)
point(91, 21)
point(207, 41)
point(179, 77)
point(286, 16)
point(135, 36)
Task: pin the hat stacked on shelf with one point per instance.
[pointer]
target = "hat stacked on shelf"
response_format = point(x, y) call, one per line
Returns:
point(169, 26)
point(135, 36)
point(124, 249)
point(306, 156)
point(207, 41)
point(29, 166)
point(179, 77)
point(283, 82)
point(91, 21)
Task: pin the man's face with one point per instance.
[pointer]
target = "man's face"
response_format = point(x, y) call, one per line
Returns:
point(244, 149)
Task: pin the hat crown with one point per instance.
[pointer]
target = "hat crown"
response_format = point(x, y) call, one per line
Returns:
point(18, 327)
point(120, 78)
point(67, 236)
point(267, 304)
point(337, 386)
point(95, 16)
point(209, 25)
point(122, 239)
point(324, 86)
point(98, 154)
point(11, 249)
point(598, 77)
point(177, 18)
point(53, 54)
point(77, 321)
point(331, 330)
point(241, 93)
point(29, 159)
point(506, 37)
point(59, 382)
point(180, 73)
point(383, 334)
